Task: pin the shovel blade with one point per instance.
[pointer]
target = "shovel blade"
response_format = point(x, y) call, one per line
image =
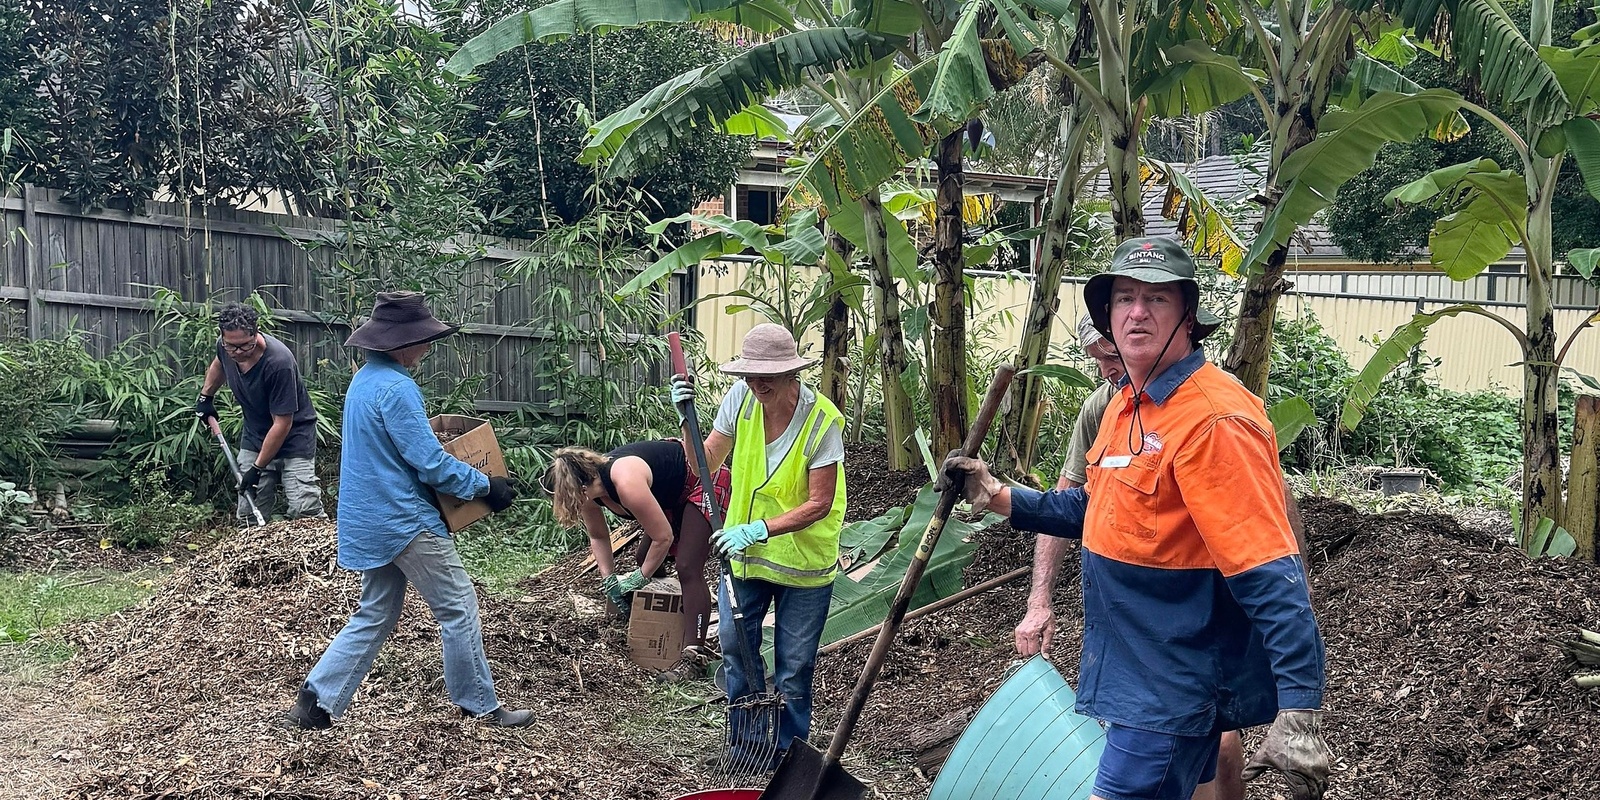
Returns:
point(804, 775)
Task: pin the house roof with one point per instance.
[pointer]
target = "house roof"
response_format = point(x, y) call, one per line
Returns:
point(1233, 181)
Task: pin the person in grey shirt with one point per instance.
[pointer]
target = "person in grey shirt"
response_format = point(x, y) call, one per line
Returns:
point(278, 437)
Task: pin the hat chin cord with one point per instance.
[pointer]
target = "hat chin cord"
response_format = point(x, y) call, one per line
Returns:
point(1138, 391)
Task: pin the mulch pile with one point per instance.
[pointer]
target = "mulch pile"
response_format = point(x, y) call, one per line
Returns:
point(196, 677)
point(1446, 676)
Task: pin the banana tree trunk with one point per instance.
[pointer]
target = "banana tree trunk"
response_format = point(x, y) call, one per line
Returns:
point(1541, 458)
point(948, 380)
point(899, 420)
point(1250, 354)
point(1022, 420)
point(836, 334)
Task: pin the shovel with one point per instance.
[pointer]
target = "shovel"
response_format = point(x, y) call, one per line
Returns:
point(763, 708)
point(806, 774)
point(233, 466)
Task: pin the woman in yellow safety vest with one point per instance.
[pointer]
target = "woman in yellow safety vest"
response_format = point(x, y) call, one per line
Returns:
point(781, 537)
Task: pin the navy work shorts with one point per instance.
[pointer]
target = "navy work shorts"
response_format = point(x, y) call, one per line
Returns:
point(1143, 765)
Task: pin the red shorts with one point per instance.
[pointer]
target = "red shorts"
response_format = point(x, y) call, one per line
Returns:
point(721, 485)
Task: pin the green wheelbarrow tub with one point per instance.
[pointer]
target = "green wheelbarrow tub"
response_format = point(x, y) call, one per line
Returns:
point(1025, 743)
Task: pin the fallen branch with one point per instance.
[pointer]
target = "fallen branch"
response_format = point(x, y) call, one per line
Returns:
point(1590, 681)
point(937, 605)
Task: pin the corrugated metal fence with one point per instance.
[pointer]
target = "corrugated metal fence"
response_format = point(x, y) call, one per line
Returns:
point(1354, 308)
point(96, 271)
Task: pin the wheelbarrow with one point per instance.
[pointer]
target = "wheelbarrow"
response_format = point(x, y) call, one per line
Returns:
point(805, 773)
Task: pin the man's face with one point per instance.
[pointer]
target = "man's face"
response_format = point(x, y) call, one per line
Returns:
point(1143, 319)
point(241, 346)
point(1105, 358)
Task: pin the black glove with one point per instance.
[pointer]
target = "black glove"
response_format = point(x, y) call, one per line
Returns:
point(249, 479)
point(206, 407)
point(501, 493)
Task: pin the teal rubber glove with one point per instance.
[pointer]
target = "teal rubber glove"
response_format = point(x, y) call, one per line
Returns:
point(682, 390)
point(730, 541)
point(631, 582)
point(612, 587)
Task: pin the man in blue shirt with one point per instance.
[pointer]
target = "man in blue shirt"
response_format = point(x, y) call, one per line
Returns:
point(390, 530)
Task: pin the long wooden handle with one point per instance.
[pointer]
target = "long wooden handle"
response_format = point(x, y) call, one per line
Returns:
point(919, 564)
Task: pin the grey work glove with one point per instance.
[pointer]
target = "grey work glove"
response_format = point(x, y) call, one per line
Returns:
point(682, 392)
point(977, 486)
point(1294, 746)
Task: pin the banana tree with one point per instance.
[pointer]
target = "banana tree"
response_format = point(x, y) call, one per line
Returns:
point(1551, 91)
point(843, 55)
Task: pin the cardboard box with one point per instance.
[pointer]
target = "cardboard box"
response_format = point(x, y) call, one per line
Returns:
point(655, 629)
point(474, 442)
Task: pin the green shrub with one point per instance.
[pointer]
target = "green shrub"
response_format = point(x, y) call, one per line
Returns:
point(154, 514)
point(1466, 438)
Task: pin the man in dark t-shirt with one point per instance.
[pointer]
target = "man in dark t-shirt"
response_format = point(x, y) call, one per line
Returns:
point(278, 442)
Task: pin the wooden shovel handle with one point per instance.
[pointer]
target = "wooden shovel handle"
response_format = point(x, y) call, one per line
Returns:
point(908, 586)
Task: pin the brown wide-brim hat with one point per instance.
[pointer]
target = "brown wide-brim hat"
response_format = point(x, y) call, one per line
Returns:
point(768, 349)
point(399, 319)
point(1149, 259)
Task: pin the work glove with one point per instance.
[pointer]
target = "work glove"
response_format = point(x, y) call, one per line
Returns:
point(206, 407)
point(1294, 746)
point(977, 486)
point(631, 582)
point(249, 479)
point(501, 493)
point(611, 586)
point(730, 541)
point(682, 390)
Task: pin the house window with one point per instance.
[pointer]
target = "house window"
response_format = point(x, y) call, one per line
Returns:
point(757, 205)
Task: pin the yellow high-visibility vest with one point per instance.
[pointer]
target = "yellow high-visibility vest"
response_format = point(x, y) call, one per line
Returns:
point(808, 557)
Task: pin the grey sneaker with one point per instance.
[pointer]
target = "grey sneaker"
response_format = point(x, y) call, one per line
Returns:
point(691, 665)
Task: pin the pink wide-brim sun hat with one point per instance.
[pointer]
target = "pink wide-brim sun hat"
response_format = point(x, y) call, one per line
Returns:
point(768, 349)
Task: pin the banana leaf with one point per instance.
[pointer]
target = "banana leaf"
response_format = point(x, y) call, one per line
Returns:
point(859, 605)
point(1290, 416)
point(1395, 351)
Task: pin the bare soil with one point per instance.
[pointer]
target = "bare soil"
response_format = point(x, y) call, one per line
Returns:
point(1446, 679)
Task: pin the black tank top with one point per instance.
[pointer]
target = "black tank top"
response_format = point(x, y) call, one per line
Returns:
point(668, 472)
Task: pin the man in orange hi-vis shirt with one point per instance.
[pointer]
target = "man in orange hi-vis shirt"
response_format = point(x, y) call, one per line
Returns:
point(1197, 617)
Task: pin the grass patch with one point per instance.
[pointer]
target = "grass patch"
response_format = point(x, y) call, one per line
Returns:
point(513, 545)
point(32, 603)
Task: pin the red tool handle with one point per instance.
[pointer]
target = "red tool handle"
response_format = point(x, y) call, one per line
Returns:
point(675, 344)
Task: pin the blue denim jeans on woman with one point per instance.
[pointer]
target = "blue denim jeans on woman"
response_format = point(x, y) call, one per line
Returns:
point(431, 564)
point(797, 629)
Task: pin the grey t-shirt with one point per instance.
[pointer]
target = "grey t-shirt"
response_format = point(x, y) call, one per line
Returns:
point(272, 386)
point(829, 451)
point(1076, 468)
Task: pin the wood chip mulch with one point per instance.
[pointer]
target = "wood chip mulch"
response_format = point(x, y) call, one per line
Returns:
point(1446, 677)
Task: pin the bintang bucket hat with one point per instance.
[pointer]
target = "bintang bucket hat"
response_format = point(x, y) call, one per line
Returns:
point(1149, 259)
point(399, 319)
point(768, 349)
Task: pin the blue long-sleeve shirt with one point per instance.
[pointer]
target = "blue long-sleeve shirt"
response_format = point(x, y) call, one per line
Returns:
point(391, 462)
point(1197, 616)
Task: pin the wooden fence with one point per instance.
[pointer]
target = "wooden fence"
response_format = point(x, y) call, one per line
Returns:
point(95, 272)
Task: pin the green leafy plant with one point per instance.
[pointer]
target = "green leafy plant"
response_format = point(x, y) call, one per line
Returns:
point(154, 514)
point(14, 504)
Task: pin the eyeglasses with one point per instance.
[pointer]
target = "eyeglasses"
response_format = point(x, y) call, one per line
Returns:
point(240, 349)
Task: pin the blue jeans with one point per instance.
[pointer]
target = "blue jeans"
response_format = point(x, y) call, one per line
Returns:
point(797, 629)
point(431, 564)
